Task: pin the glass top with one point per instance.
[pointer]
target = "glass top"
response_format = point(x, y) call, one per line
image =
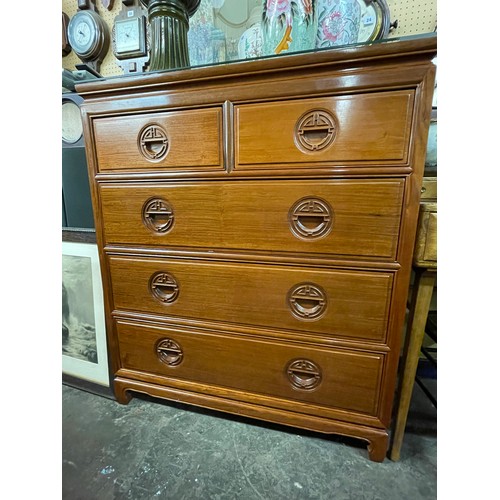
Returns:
point(79, 76)
point(223, 32)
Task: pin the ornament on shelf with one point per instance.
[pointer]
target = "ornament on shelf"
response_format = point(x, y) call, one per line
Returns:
point(338, 22)
point(251, 41)
point(289, 25)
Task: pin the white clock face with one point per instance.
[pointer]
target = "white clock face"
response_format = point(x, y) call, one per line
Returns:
point(72, 127)
point(83, 35)
point(127, 35)
point(369, 22)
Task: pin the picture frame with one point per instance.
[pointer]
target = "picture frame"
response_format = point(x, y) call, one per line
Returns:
point(84, 348)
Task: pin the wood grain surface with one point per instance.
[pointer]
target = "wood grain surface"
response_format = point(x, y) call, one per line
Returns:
point(255, 215)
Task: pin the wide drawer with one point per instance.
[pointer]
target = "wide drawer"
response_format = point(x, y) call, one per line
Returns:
point(340, 303)
point(333, 378)
point(155, 141)
point(364, 129)
point(356, 218)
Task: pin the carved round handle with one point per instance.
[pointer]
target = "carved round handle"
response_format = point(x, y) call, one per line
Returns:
point(307, 301)
point(153, 142)
point(158, 215)
point(163, 287)
point(304, 374)
point(169, 352)
point(310, 218)
point(315, 130)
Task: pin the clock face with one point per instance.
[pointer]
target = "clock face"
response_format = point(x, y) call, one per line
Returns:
point(127, 35)
point(368, 23)
point(374, 23)
point(82, 33)
point(72, 126)
point(88, 35)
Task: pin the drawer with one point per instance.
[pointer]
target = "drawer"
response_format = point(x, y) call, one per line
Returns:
point(351, 304)
point(361, 129)
point(160, 141)
point(355, 218)
point(425, 252)
point(334, 378)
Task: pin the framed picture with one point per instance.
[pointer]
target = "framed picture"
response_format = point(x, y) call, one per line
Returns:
point(84, 352)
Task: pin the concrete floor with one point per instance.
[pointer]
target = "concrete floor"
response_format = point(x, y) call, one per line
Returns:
point(153, 449)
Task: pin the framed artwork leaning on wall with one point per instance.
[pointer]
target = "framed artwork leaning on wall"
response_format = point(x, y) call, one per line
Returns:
point(84, 352)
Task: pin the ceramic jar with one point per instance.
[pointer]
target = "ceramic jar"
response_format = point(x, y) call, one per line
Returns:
point(207, 44)
point(251, 41)
point(289, 25)
point(338, 22)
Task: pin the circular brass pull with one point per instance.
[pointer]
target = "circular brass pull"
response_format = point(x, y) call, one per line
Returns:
point(315, 130)
point(163, 287)
point(153, 143)
point(307, 301)
point(158, 215)
point(310, 218)
point(304, 374)
point(169, 352)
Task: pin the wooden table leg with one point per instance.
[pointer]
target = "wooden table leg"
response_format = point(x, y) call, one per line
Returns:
point(425, 280)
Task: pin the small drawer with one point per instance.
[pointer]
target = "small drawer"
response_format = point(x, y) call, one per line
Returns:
point(425, 253)
point(350, 304)
point(160, 141)
point(346, 218)
point(333, 378)
point(360, 129)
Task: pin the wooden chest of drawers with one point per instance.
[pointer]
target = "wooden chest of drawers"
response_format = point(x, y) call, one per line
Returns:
point(256, 223)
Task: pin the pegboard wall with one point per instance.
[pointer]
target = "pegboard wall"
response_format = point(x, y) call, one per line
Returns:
point(413, 16)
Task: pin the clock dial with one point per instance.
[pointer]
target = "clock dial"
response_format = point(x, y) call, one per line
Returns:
point(72, 127)
point(89, 37)
point(375, 21)
point(83, 35)
point(128, 35)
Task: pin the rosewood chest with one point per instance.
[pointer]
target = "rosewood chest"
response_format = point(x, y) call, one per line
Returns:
point(255, 223)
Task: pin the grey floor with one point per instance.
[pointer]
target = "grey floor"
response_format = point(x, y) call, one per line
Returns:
point(151, 449)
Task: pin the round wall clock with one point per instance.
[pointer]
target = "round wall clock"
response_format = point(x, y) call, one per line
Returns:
point(72, 124)
point(66, 47)
point(88, 36)
point(375, 20)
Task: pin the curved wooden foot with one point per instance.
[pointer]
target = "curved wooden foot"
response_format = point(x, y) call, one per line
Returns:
point(121, 394)
point(377, 447)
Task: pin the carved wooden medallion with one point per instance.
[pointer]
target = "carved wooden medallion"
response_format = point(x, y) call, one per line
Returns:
point(304, 374)
point(310, 218)
point(315, 130)
point(153, 142)
point(158, 215)
point(307, 301)
point(169, 352)
point(163, 287)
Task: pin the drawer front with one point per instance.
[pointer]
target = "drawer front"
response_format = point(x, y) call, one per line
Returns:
point(430, 253)
point(333, 303)
point(155, 141)
point(355, 128)
point(333, 378)
point(356, 218)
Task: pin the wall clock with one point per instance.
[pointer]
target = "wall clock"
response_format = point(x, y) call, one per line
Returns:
point(129, 37)
point(375, 20)
point(66, 47)
point(88, 35)
point(72, 124)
